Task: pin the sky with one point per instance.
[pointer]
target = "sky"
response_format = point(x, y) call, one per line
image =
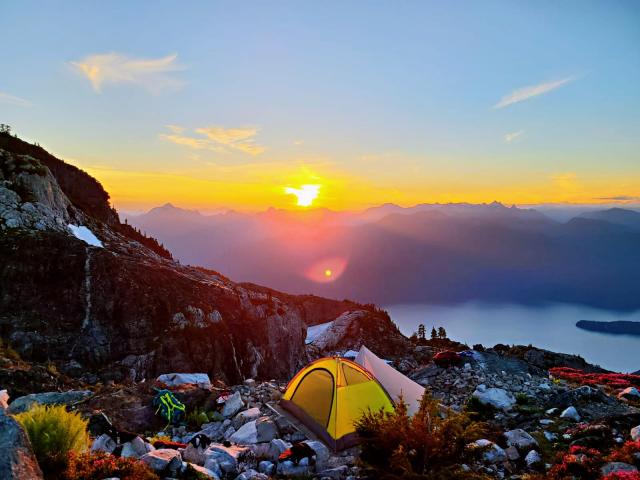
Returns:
point(239, 105)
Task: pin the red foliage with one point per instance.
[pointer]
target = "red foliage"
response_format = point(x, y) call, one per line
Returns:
point(623, 476)
point(89, 466)
point(613, 380)
point(579, 462)
point(625, 452)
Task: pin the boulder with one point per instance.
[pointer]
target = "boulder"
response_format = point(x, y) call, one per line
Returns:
point(247, 434)
point(213, 430)
point(322, 453)
point(17, 461)
point(175, 379)
point(266, 430)
point(251, 474)
point(571, 413)
point(136, 448)
point(203, 471)
point(246, 416)
point(224, 458)
point(512, 453)
point(629, 393)
point(232, 405)
point(290, 469)
point(635, 433)
point(193, 454)
point(163, 460)
point(615, 467)
point(520, 439)
point(266, 467)
point(533, 459)
point(496, 397)
point(277, 446)
point(22, 404)
point(491, 453)
point(104, 443)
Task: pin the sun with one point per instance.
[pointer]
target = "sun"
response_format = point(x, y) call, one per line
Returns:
point(306, 194)
point(328, 272)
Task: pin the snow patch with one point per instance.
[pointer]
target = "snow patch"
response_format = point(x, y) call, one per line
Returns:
point(83, 233)
point(315, 331)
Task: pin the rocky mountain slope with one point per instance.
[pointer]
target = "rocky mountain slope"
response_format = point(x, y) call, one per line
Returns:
point(120, 307)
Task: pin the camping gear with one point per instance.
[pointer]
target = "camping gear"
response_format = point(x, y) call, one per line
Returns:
point(448, 358)
point(395, 383)
point(164, 444)
point(297, 452)
point(169, 407)
point(330, 394)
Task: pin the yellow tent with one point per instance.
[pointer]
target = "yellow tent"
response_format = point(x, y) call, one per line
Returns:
point(330, 394)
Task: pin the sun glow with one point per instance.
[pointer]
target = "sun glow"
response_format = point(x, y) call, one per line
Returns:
point(306, 194)
point(326, 270)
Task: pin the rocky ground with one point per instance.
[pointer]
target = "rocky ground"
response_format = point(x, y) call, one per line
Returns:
point(532, 416)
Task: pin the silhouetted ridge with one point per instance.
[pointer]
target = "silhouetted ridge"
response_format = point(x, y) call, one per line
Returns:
point(85, 192)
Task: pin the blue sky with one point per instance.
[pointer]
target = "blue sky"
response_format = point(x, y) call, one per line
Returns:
point(376, 101)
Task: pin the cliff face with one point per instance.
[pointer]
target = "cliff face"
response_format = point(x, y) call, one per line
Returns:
point(126, 309)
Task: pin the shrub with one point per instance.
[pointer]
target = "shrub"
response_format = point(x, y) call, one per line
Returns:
point(623, 476)
point(626, 453)
point(579, 462)
point(89, 466)
point(611, 380)
point(426, 446)
point(197, 417)
point(53, 433)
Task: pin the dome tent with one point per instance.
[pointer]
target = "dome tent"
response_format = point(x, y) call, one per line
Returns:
point(330, 394)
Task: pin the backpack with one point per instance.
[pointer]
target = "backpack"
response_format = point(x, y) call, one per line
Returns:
point(169, 407)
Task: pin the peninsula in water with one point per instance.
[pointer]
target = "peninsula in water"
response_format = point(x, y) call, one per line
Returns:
point(621, 327)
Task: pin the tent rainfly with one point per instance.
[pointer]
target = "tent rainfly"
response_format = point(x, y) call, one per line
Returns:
point(329, 395)
point(395, 383)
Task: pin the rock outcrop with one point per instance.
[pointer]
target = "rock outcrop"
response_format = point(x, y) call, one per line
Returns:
point(128, 311)
point(17, 461)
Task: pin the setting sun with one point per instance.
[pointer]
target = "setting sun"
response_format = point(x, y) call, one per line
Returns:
point(306, 194)
point(328, 273)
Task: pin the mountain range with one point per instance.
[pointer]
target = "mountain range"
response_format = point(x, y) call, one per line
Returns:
point(440, 253)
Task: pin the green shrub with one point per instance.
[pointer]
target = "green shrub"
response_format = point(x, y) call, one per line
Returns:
point(96, 465)
point(197, 417)
point(54, 433)
point(428, 445)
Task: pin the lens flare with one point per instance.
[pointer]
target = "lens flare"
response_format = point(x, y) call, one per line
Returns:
point(306, 194)
point(326, 270)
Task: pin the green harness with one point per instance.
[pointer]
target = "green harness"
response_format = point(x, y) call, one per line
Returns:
point(169, 407)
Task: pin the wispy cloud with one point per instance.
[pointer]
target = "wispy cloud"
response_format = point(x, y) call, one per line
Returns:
point(13, 100)
point(196, 143)
point(218, 139)
point(513, 136)
point(176, 128)
point(113, 68)
point(531, 91)
point(620, 198)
